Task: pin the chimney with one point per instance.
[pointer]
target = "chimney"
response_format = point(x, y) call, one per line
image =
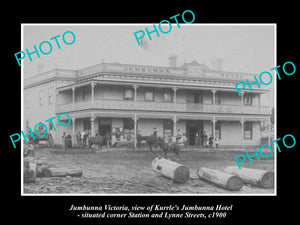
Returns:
point(172, 60)
point(40, 68)
point(217, 64)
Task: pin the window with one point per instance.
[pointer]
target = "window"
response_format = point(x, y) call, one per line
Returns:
point(247, 100)
point(128, 124)
point(86, 124)
point(50, 99)
point(149, 96)
point(26, 101)
point(195, 97)
point(167, 97)
point(128, 127)
point(27, 125)
point(217, 99)
point(198, 98)
point(168, 128)
point(41, 102)
point(248, 130)
point(128, 94)
point(85, 94)
point(50, 95)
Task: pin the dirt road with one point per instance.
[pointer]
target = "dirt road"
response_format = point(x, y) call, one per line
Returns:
point(126, 171)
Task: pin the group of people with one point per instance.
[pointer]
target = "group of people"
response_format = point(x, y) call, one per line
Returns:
point(200, 140)
point(179, 138)
point(206, 141)
point(82, 137)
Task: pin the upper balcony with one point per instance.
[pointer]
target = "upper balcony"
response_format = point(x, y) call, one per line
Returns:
point(157, 98)
point(113, 104)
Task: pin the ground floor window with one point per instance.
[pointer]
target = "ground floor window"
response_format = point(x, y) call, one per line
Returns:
point(168, 128)
point(128, 124)
point(248, 131)
point(86, 125)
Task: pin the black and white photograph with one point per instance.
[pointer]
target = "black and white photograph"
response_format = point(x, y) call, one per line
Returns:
point(134, 114)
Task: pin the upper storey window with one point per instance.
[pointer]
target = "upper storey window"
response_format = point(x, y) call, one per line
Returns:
point(247, 100)
point(167, 97)
point(149, 96)
point(128, 94)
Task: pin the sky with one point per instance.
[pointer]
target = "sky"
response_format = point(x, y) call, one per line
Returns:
point(243, 48)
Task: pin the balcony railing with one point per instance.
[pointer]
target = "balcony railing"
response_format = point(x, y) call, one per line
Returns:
point(161, 106)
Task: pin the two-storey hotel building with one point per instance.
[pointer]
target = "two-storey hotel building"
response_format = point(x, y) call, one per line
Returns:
point(107, 96)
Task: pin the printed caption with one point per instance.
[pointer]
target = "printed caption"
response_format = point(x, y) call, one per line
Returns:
point(154, 211)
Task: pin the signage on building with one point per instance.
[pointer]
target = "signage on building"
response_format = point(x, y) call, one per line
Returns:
point(147, 69)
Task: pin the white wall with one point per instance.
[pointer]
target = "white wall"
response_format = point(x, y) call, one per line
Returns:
point(145, 126)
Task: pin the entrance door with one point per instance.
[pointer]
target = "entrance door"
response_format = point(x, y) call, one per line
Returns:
point(194, 127)
point(192, 135)
point(104, 126)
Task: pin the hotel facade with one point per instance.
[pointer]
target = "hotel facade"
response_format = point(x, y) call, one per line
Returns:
point(134, 98)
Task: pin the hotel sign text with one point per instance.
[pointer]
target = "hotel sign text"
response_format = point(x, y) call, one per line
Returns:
point(146, 69)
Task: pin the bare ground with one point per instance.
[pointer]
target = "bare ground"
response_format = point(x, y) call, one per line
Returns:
point(127, 171)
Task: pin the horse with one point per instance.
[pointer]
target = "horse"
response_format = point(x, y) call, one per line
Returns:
point(150, 140)
point(166, 146)
point(98, 140)
point(154, 140)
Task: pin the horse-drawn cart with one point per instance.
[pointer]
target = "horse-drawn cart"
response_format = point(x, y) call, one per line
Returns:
point(47, 138)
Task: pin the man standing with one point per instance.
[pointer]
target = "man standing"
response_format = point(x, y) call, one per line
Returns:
point(205, 139)
point(154, 132)
point(82, 137)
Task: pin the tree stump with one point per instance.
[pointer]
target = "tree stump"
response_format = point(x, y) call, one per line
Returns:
point(260, 178)
point(29, 170)
point(221, 179)
point(172, 170)
point(62, 172)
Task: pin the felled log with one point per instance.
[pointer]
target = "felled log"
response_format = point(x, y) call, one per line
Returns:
point(29, 176)
point(172, 170)
point(29, 170)
point(62, 172)
point(260, 178)
point(28, 151)
point(221, 179)
point(41, 170)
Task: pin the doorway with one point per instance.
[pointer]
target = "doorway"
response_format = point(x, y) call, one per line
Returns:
point(194, 127)
point(104, 126)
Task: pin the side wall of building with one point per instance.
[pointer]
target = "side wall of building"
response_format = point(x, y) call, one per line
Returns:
point(38, 104)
